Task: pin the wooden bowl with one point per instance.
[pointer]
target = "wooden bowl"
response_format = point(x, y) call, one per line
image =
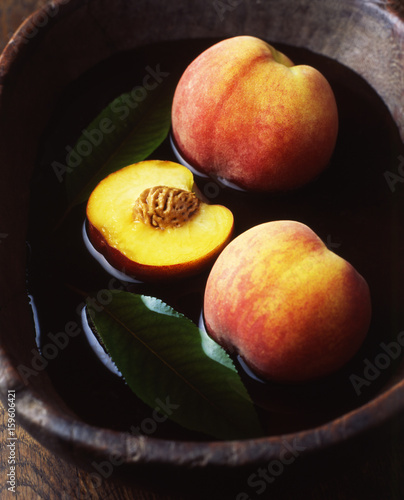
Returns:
point(63, 41)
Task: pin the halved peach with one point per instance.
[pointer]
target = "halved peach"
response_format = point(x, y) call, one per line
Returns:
point(148, 222)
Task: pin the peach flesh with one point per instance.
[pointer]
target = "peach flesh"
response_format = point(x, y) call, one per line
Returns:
point(148, 253)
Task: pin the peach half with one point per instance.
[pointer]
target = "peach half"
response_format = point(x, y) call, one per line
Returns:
point(148, 222)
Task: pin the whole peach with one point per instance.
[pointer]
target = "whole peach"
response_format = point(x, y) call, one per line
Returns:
point(291, 308)
point(243, 112)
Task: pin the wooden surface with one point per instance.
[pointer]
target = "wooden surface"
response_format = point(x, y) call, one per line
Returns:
point(372, 467)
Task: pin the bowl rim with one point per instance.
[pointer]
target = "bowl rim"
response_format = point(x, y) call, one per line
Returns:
point(65, 431)
point(62, 432)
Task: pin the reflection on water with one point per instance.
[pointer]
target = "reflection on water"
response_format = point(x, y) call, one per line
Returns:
point(103, 261)
point(103, 356)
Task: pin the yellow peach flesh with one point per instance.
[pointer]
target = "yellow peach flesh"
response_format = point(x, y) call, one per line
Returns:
point(110, 211)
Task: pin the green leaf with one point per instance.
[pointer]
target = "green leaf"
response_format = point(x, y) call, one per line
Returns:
point(125, 132)
point(160, 354)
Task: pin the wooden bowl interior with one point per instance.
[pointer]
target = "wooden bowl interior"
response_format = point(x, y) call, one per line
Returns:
point(51, 52)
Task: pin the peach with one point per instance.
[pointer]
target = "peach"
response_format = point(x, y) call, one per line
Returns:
point(291, 308)
point(244, 113)
point(149, 223)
